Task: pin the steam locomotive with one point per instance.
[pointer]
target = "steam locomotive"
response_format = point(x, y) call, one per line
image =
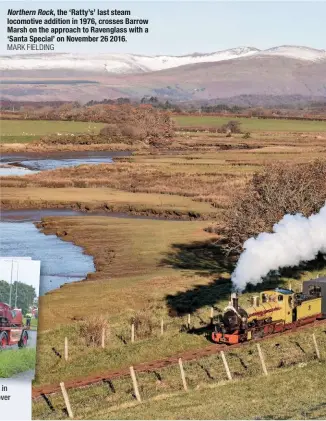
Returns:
point(270, 312)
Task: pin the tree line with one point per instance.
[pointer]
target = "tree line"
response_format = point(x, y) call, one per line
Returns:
point(25, 295)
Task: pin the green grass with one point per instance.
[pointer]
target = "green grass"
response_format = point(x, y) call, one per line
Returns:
point(17, 139)
point(14, 361)
point(253, 124)
point(145, 267)
point(298, 393)
point(290, 361)
point(24, 131)
point(84, 361)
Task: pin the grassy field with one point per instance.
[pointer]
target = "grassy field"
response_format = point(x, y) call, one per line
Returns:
point(105, 199)
point(147, 269)
point(131, 256)
point(136, 272)
point(16, 361)
point(24, 131)
point(253, 124)
point(293, 371)
point(292, 394)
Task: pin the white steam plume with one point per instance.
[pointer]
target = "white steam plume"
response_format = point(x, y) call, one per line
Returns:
point(294, 239)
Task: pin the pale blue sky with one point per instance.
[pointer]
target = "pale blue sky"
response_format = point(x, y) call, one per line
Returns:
point(21, 269)
point(184, 27)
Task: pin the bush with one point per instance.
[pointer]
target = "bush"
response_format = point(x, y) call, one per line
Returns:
point(143, 326)
point(277, 190)
point(91, 330)
point(246, 136)
point(143, 123)
point(133, 132)
point(232, 126)
point(110, 130)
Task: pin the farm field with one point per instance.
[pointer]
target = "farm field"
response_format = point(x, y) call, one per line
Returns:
point(25, 131)
point(252, 124)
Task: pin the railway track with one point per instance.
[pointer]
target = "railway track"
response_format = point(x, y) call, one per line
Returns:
point(158, 364)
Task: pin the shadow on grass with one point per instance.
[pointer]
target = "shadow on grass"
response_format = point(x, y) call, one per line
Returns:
point(207, 258)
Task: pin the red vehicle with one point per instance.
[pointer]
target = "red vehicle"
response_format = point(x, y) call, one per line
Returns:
point(12, 329)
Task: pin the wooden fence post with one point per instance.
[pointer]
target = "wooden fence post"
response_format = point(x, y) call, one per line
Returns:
point(162, 326)
point(66, 399)
point(183, 377)
point(132, 332)
point(103, 338)
point(316, 346)
point(135, 384)
point(262, 360)
point(66, 348)
point(189, 320)
point(226, 366)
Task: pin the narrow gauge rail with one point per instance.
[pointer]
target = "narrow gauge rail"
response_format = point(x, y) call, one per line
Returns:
point(45, 390)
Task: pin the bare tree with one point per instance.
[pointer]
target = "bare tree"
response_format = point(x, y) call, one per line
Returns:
point(278, 190)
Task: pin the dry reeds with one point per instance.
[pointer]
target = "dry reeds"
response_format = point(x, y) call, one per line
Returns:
point(91, 330)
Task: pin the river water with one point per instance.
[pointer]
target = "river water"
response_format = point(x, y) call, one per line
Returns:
point(23, 164)
point(61, 262)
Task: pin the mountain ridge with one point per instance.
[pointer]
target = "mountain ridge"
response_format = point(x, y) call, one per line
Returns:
point(125, 63)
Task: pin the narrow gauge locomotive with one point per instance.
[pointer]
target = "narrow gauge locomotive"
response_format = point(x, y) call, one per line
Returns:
point(271, 312)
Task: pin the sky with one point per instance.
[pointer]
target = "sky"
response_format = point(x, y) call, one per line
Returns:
point(20, 269)
point(180, 27)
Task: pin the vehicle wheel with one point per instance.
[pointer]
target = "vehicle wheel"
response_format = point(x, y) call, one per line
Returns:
point(23, 340)
point(3, 340)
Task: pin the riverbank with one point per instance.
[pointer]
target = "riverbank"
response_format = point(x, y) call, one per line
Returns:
point(61, 262)
point(105, 199)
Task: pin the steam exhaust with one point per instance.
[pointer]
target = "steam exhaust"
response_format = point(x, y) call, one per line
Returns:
point(294, 239)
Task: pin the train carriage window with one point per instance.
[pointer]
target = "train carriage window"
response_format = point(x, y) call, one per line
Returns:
point(314, 290)
point(290, 301)
point(280, 298)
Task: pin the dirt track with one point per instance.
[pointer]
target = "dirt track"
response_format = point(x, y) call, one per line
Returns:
point(155, 365)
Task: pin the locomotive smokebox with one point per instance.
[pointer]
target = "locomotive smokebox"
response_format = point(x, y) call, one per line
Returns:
point(235, 300)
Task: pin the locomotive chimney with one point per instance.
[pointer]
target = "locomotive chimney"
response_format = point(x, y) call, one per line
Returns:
point(235, 300)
